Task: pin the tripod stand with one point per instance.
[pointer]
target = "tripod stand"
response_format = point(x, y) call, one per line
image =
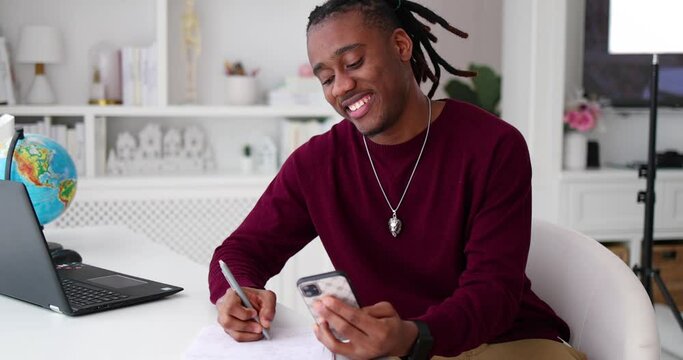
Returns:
point(645, 270)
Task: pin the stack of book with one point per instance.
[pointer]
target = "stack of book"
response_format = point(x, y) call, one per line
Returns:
point(139, 75)
point(304, 91)
point(71, 138)
point(7, 90)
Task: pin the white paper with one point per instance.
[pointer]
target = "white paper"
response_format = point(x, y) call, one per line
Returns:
point(293, 343)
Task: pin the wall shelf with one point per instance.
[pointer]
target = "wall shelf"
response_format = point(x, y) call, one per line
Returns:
point(173, 111)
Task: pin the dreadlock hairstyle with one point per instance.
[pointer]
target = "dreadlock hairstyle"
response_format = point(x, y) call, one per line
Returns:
point(391, 14)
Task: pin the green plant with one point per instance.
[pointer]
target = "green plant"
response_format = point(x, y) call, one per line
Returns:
point(484, 92)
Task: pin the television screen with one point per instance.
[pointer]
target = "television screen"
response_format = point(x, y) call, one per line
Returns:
point(624, 80)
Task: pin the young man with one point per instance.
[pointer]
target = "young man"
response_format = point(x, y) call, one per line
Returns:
point(426, 205)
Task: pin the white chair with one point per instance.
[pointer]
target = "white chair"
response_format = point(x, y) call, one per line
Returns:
point(604, 303)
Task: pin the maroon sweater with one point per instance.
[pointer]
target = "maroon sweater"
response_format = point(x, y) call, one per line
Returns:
point(458, 263)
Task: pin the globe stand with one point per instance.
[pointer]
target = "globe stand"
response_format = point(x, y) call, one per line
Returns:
point(19, 135)
point(53, 246)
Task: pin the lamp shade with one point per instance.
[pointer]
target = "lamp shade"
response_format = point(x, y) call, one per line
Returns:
point(646, 27)
point(39, 44)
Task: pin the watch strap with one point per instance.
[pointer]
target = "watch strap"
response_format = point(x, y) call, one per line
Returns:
point(423, 343)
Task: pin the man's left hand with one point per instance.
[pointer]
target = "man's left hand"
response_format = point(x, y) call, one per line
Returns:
point(372, 331)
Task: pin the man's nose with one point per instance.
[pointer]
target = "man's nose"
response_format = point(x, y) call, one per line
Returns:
point(342, 84)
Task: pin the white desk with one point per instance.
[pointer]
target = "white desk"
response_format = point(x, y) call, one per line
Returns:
point(156, 330)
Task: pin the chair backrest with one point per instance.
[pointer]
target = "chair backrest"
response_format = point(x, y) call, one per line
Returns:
point(597, 294)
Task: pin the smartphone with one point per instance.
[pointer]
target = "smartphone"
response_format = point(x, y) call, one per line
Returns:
point(334, 283)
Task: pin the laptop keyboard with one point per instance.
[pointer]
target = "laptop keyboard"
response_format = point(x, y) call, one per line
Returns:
point(81, 296)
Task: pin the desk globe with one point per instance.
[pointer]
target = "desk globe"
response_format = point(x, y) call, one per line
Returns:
point(48, 172)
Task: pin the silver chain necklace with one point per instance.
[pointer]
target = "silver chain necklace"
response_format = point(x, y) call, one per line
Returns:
point(395, 224)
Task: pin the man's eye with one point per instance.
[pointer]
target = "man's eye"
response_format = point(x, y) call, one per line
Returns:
point(327, 81)
point(356, 64)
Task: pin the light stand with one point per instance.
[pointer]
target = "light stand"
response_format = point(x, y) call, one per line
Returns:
point(650, 27)
point(649, 171)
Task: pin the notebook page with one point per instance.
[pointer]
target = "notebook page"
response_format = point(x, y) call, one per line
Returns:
point(292, 343)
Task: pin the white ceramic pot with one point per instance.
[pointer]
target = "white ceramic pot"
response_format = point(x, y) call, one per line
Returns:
point(241, 90)
point(575, 150)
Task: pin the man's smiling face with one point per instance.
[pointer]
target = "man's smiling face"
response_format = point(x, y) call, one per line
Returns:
point(362, 70)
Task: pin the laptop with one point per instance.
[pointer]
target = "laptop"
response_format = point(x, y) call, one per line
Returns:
point(27, 272)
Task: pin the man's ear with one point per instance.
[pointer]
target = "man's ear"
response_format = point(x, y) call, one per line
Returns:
point(403, 44)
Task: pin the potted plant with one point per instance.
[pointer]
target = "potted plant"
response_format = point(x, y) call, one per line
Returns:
point(581, 116)
point(484, 91)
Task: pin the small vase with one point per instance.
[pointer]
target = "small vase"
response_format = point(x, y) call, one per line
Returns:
point(241, 90)
point(575, 150)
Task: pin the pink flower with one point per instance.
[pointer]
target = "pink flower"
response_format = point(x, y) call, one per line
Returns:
point(305, 70)
point(583, 118)
point(595, 110)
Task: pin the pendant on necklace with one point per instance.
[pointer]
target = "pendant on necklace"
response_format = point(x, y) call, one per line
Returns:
point(395, 225)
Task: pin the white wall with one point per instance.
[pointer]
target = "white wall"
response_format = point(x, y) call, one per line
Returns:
point(83, 24)
point(574, 58)
point(482, 20)
point(625, 135)
point(533, 89)
point(271, 35)
point(268, 34)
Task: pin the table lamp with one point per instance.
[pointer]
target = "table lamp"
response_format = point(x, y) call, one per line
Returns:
point(650, 27)
point(39, 45)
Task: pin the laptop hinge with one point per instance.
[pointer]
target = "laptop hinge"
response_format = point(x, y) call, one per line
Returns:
point(55, 309)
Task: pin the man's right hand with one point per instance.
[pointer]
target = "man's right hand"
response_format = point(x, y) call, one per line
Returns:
point(238, 321)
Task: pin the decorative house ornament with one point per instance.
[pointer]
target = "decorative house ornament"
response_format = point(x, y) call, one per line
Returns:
point(154, 151)
point(126, 147)
point(194, 141)
point(150, 142)
point(265, 156)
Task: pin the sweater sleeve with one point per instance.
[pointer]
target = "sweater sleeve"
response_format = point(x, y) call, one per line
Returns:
point(277, 227)
point(499, 229)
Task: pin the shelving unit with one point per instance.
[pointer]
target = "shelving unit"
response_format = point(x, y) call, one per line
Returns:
point(189, 213)
point(158, 22)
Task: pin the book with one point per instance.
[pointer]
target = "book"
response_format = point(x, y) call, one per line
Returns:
point(7, 96)
point(58, 134)
point(139, 75)
point(80, 148)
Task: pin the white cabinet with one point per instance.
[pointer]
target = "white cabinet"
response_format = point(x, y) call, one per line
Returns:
point(603, 204)
point(671, 205)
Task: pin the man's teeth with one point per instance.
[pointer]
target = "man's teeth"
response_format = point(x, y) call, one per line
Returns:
point(358, 104)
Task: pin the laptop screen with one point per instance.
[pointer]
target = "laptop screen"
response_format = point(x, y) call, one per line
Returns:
point(26, 269)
